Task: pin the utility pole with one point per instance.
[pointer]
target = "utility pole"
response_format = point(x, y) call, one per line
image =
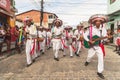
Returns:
point(41, 13)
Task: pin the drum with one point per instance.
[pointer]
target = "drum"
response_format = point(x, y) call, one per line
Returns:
point(81, 38)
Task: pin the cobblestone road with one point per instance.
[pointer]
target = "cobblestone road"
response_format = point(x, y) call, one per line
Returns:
point(46, 68)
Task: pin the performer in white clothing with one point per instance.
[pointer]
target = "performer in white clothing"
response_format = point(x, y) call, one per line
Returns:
point(100, 31)
point(79, 34)
point(57, 34)
point(31, 36)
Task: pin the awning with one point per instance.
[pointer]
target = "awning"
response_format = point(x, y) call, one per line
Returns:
point(5, 12)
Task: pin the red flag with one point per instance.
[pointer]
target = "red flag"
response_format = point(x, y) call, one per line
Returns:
point(32, 50)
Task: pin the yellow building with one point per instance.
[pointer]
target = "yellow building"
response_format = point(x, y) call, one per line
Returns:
point(7, 12)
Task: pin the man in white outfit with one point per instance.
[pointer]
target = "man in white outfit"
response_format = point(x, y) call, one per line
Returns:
point(68, 39)
point(57, 34)
point(79, 33)
point(31, 36)
point(43, 44)
point(49, 35)
point(100, 31)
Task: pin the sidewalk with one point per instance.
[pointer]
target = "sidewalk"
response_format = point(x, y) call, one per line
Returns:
point(4, 49)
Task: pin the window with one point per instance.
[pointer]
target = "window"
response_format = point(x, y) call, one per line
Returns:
point(50, 16)
point(112, 1)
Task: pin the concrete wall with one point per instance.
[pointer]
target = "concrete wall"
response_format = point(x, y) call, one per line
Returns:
point(113, 7)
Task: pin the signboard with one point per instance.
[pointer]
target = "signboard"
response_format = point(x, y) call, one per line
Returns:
point(5, 4)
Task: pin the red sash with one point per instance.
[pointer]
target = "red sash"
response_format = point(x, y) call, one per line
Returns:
point(74, 49)
point(38, 46)
point(33, 48)
point(103, 48)
point(63, 43)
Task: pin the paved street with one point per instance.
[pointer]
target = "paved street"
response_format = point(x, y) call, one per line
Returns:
point(46, 68)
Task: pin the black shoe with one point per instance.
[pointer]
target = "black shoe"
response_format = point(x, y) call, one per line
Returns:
point(56, 59)
point(41, 50)
point(43, 53)
point(29, 65)
point(33, 60)
point(100, 75)
point(86, 63)
point(48, 48)
point(114, 50)
point(71, 56)
point(77, 54)
point(64, 55)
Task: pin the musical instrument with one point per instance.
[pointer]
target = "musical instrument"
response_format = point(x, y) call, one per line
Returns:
point(40, 39)
point(96, 39)
point(80, 38)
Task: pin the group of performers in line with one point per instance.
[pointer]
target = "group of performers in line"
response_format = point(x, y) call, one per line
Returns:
point(59, 37)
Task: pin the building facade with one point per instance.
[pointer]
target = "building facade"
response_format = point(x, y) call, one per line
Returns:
point(114, 14)
point(7, 12)
point(35, 15)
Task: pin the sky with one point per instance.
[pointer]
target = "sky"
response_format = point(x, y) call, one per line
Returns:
point(72, 12)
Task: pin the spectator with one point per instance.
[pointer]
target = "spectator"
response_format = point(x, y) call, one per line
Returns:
point(2, 36)
point(8, 38)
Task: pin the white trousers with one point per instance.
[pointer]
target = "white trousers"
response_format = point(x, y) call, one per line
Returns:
point(78, 46)
point(91, 53)
point(29, 46)
point(42, 45)
point(71, 50)
point(38, 49)
point(56, 46)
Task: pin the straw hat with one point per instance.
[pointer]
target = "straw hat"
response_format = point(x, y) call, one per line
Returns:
point(57, 20)
point(103, 18)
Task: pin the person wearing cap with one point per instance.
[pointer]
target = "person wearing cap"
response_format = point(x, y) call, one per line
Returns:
point(56, 37)
point(31, 36)
point(79, 33)
point(99, 30)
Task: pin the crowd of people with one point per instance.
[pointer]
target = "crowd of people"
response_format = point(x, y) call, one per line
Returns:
point(8, 35)
point(38, 39)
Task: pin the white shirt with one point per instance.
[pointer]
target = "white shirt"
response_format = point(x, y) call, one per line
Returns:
point(49, 34)
point(44, 34)
point(32, 31)
point(77, 32)
point(40, 34)
point(96, 31)
point(58, 31)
